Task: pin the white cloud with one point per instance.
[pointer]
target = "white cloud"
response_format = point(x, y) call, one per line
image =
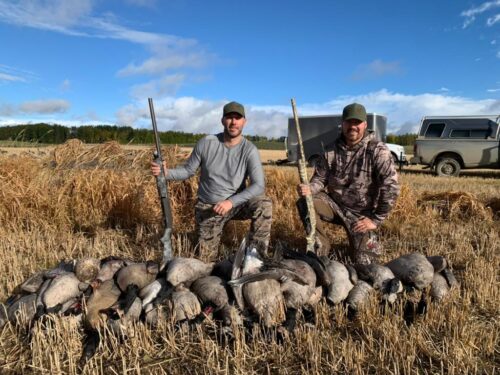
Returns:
point(10, 77)
point(202, 116)
point(165, 86)
point(56, 15)
point(493, 20)
point(160, 63)
point(377, 68)
point(493, 42)
point(12, 74)
point(46, 106)
point(38, 120)
point(169, 54)
point(444, 89)
point(470, 14)
point(493, 90)
point(498, 54)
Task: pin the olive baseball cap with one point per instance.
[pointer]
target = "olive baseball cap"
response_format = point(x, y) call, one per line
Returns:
point(354, 111)
point(234, 107)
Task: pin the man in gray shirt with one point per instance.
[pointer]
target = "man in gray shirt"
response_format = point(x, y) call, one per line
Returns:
point(226, 160)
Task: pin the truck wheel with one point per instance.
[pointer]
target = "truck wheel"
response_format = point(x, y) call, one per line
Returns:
point(447, 167)
point(394, 158)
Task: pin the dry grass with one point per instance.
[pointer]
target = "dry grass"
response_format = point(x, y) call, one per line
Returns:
point(75, 202)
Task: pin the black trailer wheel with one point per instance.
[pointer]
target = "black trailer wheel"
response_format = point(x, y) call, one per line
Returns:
point(447, 167)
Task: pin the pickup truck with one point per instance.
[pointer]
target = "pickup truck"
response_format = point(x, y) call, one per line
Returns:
point(450, 144)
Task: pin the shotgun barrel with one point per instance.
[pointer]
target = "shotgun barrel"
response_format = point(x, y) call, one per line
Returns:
point(161, 184)
point(302, 165)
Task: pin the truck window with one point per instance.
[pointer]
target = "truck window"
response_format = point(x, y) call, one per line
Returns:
point(469, 133)
point(460, 133)
point(480, 133)
point(434, 130)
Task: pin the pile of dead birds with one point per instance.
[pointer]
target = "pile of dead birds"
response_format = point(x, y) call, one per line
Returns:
point(244, 289)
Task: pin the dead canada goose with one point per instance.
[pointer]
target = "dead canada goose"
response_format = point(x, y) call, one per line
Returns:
point(413, 270)
point(151, 291)
point(34, 282)
point(358, 295)
point(380, 278)
point(109, 267)
point(223, 268)
point(316, 263)
point(342, 280)
point(186, 270)
point(263, 297)
point(22, 311)
point(185, 305)
point(104, 295)
point(121, 323)
point(132, 278)
point(443, 280)
point(61, 289)
point(86, 269)
point(212, 291)
point(300, 296)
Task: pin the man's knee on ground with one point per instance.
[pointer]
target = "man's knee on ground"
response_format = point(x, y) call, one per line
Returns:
point(323, 209)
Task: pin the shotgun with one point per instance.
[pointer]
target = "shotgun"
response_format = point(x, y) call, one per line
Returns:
point(161, 184)
point(311, 216)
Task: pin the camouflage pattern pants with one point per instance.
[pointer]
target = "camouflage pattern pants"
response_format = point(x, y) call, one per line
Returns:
point(364, 247)
point(209, 225)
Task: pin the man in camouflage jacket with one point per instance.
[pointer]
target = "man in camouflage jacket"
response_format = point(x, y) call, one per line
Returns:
point(354, 184)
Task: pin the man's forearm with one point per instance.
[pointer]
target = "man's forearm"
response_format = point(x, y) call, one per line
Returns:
point(250, 192)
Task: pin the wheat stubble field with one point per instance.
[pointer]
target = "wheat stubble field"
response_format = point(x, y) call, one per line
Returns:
point(74, 201)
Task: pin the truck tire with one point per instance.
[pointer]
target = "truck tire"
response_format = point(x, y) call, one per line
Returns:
point(447, 167)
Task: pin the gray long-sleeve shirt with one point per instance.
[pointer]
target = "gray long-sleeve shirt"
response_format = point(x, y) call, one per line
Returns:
point(223, 170)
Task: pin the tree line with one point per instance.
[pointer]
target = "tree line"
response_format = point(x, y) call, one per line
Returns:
point(407, 139)
point(56, 134)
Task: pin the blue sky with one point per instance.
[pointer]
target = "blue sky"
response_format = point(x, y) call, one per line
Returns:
point(78, 62)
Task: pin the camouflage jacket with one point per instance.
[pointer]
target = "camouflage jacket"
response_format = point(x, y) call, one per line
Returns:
point(361, 179)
